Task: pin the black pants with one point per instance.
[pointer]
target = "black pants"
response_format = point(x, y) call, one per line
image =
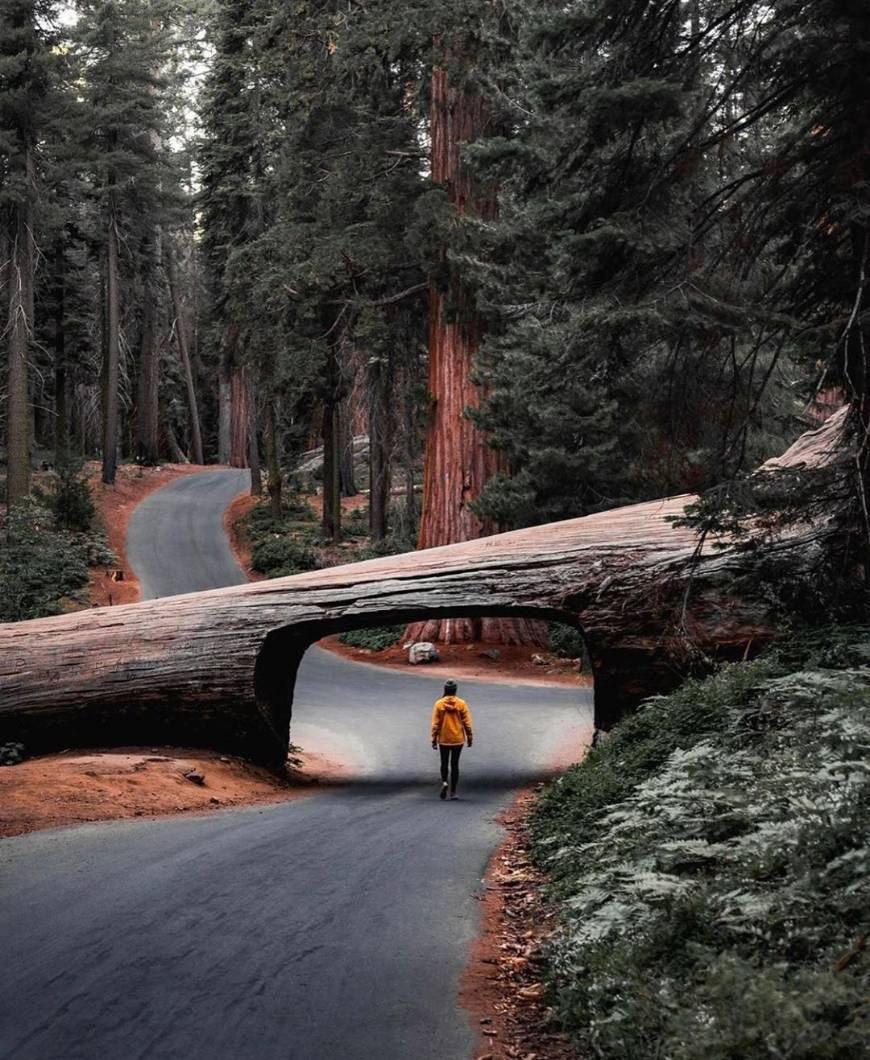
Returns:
point(450, 754)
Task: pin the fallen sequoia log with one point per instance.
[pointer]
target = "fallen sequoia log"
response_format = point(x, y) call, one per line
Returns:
point(217, 668)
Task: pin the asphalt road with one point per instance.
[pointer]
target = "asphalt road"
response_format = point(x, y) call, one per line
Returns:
point(330, 928)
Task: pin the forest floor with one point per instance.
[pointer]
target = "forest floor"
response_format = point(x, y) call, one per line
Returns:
point(74, 787)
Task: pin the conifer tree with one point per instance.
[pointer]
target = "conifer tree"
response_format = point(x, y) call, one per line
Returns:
point(24, 73)
point(123, 48)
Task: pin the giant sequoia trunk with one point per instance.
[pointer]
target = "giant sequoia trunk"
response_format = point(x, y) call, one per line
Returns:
point(20, 328)
point(458, 460)
point(239, 417)
point(217, 668)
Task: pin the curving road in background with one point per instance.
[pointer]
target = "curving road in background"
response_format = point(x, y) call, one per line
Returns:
point(328, 928)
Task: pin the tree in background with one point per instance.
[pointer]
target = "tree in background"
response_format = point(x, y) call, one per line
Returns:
point(122, 47)
point(618, 367)
point(231, 134)
point(459, 461)
point(24, 85)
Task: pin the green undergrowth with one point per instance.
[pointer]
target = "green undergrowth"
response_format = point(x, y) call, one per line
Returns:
point(376, 638)
point(44, 563)
point(712, 865)
point(294, 543)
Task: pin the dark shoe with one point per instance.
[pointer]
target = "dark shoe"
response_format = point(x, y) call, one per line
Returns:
point(454, 795)
point(443, 794)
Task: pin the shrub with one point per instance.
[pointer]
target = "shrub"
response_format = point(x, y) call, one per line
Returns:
point(280, 556)
point(11, 754)
point(40, 565)
point(376, 638)
point(713, 861)
point(69, 498)
point(262, 520)
point(566, 641)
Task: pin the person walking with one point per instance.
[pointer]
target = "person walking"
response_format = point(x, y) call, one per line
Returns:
point(451, 726)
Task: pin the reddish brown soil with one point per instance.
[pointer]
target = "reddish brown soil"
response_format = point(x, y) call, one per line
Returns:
point(235, 525)
point(73, 787)
point(501, 988)
point(467, 661)
point(115, 506)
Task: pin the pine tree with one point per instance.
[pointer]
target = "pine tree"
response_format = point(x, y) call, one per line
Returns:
point(614, 367)
point(25, 62)
point(123, 48)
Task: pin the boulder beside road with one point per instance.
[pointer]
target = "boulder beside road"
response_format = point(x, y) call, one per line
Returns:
point(423, 652)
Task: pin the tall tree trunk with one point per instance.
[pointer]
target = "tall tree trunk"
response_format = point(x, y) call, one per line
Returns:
point(61, 406)
point(273, 456)
point(184, 355)
point(331, 450)
point(175, 451)
point(228, 356)
point(224, 416)
point(20, 330)
point(408, 460)
point(239, 417)
point(458, 460)
point(113, 352)
point(348, 480)
point(380, 437)
point(254, 449)
point(147, 425)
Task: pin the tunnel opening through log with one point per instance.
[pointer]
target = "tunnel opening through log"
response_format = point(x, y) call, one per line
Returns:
point(283, 649)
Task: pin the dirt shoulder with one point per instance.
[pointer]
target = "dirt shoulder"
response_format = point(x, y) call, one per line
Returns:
point(73, 787)
point(236, 529)
point(502, 990)
point(115, 506)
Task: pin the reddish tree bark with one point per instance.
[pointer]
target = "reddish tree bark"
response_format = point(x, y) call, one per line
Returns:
point(239, 417)
point(458, 461)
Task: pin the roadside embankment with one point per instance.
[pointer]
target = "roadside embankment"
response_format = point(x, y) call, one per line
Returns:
point(711, 866)
point(58, 790)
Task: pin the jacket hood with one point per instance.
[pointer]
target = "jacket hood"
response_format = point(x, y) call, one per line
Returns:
point(450, 702)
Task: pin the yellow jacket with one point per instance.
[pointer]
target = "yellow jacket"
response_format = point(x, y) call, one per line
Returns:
point(451, 721)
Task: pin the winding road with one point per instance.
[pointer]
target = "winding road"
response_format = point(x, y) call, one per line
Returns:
point(334, 927)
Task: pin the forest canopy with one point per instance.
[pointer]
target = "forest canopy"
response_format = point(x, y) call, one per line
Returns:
point(544, 259)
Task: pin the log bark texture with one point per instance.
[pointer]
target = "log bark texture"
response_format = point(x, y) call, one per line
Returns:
point(217, 668)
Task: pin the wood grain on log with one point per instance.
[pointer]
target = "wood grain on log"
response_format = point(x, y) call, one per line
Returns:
point(217, 668)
